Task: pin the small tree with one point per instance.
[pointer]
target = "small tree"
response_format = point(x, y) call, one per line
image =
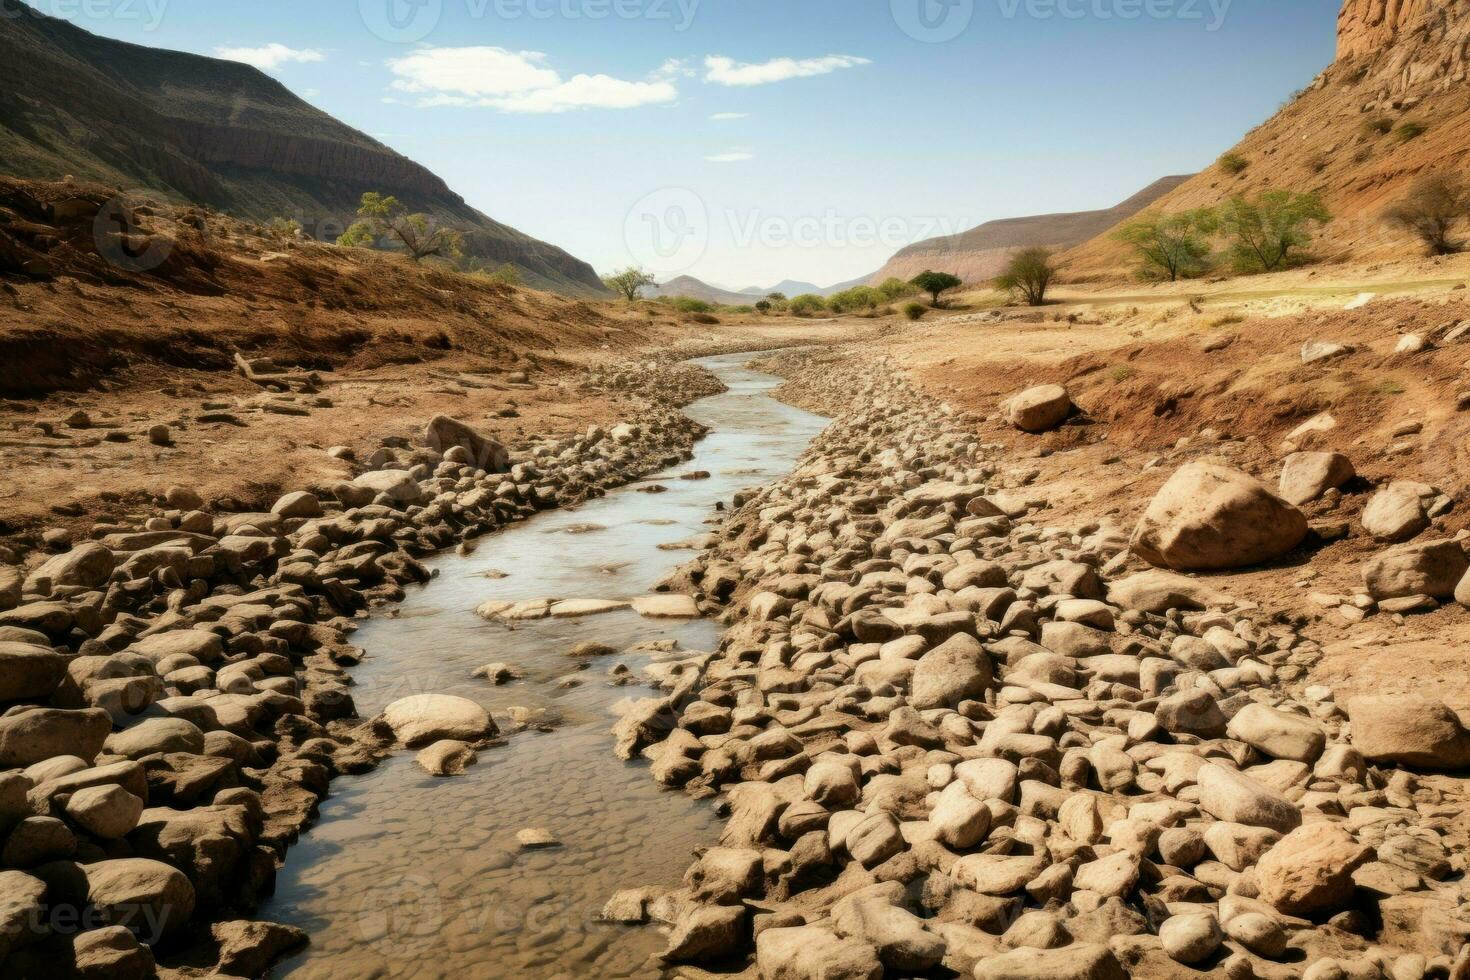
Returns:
point(936, 284)
point(1268, 232)
point(628, 283)
point(776, 297)
point(763, 306)
point(380, 217)
point(1435, 204)
point(1029, 275)
point(806, 304)
point(1171, 246)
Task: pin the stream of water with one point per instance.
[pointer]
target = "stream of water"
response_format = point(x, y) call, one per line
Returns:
point(409, 876)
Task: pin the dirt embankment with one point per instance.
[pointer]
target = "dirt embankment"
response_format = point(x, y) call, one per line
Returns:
point(114, 322)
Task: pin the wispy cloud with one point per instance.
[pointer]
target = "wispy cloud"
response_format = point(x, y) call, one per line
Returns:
point(271, 56)
point(729, 116)
point(727, 71)
point(734, 156)
point(518, 81)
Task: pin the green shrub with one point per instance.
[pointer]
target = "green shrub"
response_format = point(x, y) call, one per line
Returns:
point(807, 304)
point(855, 299)
point(1234, 164)
point(915, 311)
point(688, 304)
point(506, 275)
point(894, 288)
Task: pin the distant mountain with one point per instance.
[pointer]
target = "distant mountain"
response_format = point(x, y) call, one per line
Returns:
point(792, 287)
point(980, 253)
point(194, 129)
point(697, 289)
point(1394, 106)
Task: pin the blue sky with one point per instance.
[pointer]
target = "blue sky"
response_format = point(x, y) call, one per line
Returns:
point(749, 141)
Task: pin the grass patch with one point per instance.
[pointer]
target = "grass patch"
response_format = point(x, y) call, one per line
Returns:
point(1379, 126)
point(1227, 320)
point(1122, 373)
point(1389, 388)
point(1410, 130)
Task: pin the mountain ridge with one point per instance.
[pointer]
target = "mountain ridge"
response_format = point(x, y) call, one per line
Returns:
point(980, 253)
point(189, 128)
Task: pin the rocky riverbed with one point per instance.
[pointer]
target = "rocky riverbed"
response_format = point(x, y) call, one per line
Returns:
point(952, 737)
point(179, 692)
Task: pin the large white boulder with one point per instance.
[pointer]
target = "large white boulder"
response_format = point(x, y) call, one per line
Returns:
point(423, 719)
point(1209, 516)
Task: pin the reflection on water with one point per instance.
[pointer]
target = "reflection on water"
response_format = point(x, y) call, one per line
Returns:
point(411, 876)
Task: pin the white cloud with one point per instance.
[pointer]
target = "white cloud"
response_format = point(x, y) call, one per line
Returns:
point(734, 156)
point(519, 81)
point(270, 56)
point(728, 71)
point(729, 116)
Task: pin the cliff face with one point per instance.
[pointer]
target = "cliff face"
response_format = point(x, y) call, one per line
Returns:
point(1406, 46)
point(218, 133)
point(1367, 26)
point(1394, 106)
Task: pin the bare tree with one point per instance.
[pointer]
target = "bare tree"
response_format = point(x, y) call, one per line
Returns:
point(1432, 209)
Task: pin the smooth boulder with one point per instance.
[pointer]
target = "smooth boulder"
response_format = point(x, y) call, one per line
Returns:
point(37, 734)
point(957, 670)
point(1210, 517)
point(1433, 568)
point(1307, 476)
point(423, 719)
point(1310, 870)
point(1040, 409)
point(1409, 730)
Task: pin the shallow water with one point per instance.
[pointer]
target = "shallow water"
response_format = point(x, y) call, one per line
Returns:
point(406, 875)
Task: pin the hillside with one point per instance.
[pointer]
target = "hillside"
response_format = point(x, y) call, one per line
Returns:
point(194, 129)
point(979, 253)
point(1342, 136)
point(698, 289)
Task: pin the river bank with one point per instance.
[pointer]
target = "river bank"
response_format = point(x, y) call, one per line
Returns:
point(957, 737)
point(182, 690)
